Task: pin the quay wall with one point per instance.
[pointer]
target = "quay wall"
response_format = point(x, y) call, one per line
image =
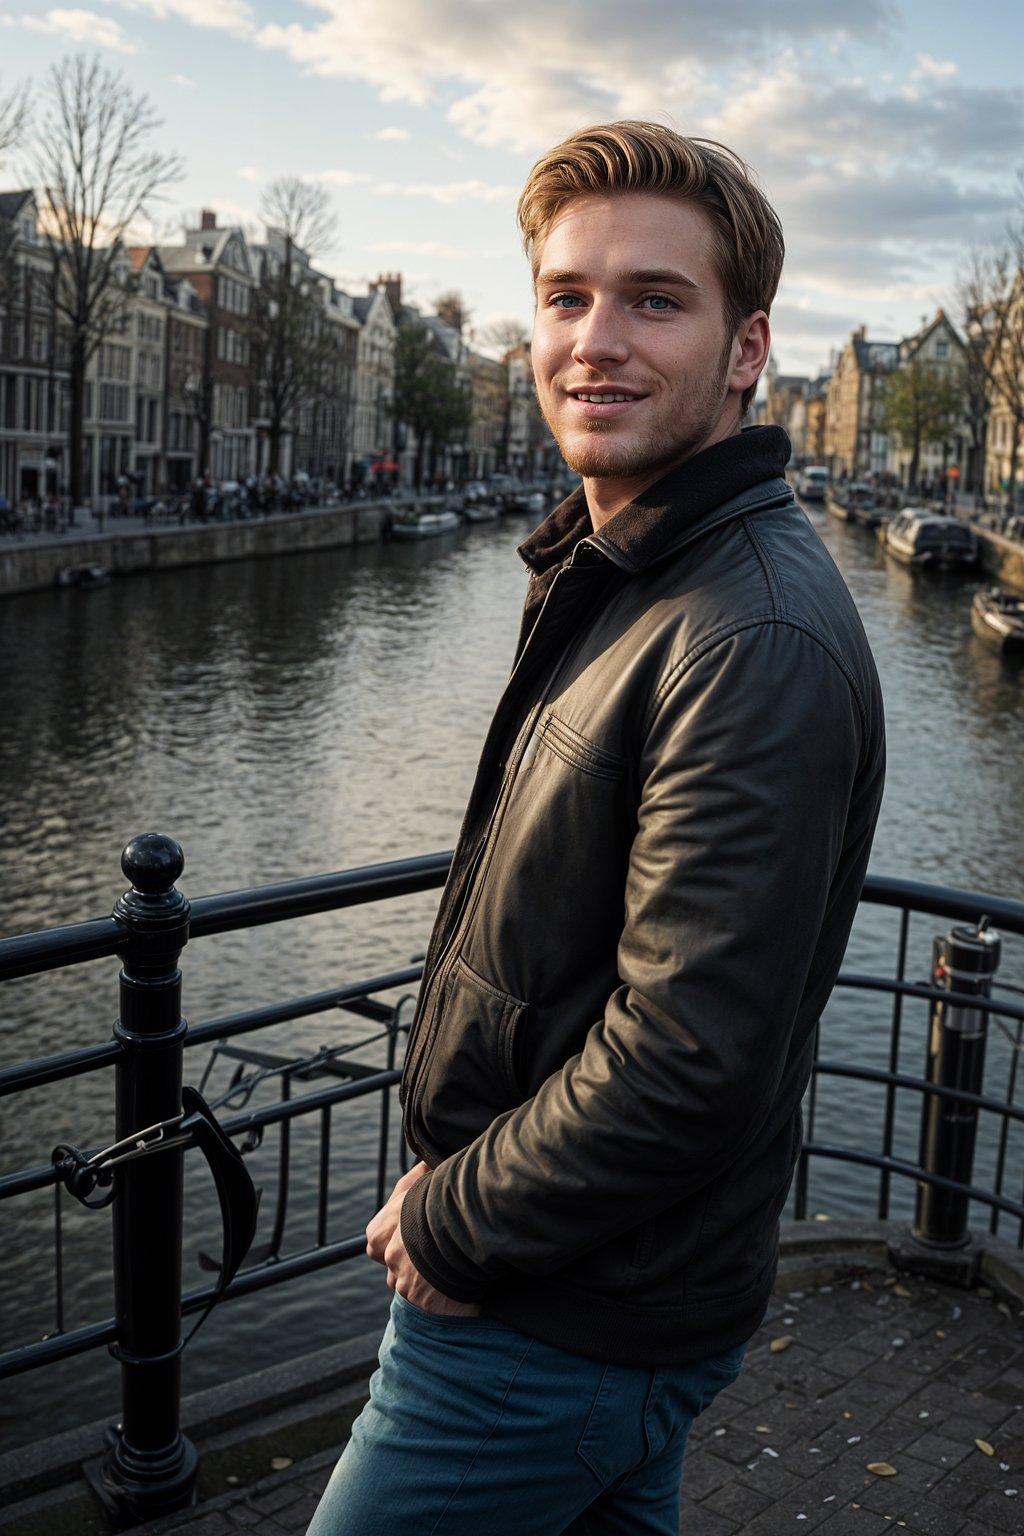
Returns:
point(32, 566)
point(1002, 558)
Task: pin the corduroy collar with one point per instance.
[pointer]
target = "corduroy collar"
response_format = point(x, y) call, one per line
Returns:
point(658, 515)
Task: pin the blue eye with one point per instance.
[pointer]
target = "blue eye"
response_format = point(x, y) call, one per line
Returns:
point(565, 300)
point(658, 301)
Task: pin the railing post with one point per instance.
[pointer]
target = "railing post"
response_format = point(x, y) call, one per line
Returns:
point(151, 1468)
point(964, 961)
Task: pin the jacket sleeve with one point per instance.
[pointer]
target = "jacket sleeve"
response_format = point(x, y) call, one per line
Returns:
point(749, 762)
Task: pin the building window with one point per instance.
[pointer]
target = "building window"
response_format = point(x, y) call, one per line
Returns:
point(8, 400)
point(115, 361)
point(114, 402)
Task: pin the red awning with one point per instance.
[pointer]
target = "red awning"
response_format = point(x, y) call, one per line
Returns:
point(382, 464)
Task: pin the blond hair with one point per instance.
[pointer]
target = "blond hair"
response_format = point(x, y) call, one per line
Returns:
point(647, 157)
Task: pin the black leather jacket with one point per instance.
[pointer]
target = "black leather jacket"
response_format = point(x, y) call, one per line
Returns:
point(646, 913)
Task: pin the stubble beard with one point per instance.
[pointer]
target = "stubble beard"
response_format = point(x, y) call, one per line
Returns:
point(600, 457)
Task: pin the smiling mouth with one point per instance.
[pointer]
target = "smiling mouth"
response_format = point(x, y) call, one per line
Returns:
point(594, 399)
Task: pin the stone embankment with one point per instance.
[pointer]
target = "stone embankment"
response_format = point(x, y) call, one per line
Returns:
point(32, 562)
point(1002, 559)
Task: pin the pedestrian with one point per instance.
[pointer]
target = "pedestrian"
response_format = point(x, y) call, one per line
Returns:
point(646, 912)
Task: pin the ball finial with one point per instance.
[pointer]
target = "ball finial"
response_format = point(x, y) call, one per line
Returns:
point(152, 862)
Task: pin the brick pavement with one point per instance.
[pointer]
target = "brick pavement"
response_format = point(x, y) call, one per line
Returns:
point(881, 1371)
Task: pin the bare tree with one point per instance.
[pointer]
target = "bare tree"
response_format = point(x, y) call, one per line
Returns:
point(296, 347)
point(97, 174)
point(301, 211)
point(14, 120)
point(452, 309)
point(991, 294)
point(503, 336)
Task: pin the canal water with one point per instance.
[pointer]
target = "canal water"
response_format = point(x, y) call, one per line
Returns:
point(322, 712)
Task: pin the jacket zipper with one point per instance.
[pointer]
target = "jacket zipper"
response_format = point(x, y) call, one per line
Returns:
point(435, 982)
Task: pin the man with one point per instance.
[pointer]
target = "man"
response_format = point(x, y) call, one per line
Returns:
point(649, 902)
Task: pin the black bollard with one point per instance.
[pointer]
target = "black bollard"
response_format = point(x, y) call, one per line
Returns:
point(151, 1467)
point(964, 961)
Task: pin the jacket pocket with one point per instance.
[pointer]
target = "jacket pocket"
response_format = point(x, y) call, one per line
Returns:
point(470, 1073)
point(576, 750)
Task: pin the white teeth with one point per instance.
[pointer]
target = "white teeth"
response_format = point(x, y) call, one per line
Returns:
point(602, 399)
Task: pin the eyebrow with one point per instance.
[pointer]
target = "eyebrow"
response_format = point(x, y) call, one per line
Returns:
point(638, 278)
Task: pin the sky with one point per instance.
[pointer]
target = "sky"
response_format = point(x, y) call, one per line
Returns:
point(889, 134)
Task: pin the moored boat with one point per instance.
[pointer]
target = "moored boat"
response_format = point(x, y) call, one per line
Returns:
point(997, 617)
point(919, 538)
point(413, 523)
point(88, 574)
point(863, 506)
point(855, 503)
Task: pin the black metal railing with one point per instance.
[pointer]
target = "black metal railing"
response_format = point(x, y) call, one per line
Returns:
point(151, 1466)
point(951, 1038)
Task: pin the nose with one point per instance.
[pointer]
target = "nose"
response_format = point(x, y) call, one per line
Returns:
point(600, 335)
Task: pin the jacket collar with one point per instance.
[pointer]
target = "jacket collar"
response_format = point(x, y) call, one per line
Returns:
point(679, 505)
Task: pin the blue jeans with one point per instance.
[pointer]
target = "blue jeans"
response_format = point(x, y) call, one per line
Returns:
point(474, 1429)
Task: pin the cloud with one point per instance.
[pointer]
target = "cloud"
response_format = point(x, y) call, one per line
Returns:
point(785, 118)
point(928, 68)
point(181, 80)
point(444, 192)
point(801, 320)
point(518, 75)
point(222, 15)
point(83, 27)
point(447, 192)
point(341, 178)
point(417, 248)
point(876, 190)
point(398, 134)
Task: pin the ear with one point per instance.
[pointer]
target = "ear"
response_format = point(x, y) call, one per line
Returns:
point(750, 348)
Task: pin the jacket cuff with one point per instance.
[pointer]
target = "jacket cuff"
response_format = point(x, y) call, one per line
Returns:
point(425, 1253)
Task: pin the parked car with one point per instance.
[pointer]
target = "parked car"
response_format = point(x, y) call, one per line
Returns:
point(812, 482)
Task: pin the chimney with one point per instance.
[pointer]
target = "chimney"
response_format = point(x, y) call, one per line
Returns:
point(860, 333)
point(391, 282)
point(207, 219)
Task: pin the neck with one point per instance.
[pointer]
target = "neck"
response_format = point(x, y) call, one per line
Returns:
point(606, 496)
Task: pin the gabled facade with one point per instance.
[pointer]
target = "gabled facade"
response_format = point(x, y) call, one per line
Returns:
point(856, 442)
point(220, 268)
point(373, 418)
point(815, 415)
point(938, 347)
point(532, 451)
point(784, 407)
point(33, 360)
point(148, 309)
point(323, 429)
point(189, 385)
point(487, 382)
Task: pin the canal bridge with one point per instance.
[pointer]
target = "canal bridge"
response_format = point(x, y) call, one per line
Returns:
point(885, 1388)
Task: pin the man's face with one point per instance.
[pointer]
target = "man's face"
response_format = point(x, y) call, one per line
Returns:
point(634, 366)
